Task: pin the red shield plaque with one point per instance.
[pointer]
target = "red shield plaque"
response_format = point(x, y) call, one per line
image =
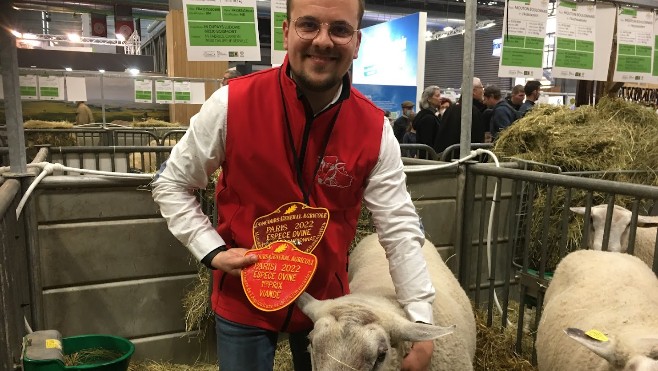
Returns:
point(295, 222)
point(279, 277)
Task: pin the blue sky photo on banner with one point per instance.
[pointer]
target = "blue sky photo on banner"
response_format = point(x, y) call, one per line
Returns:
point(391, 64)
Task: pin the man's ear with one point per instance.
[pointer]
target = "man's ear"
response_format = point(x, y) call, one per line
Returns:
point(286, 28)
point(358, 44)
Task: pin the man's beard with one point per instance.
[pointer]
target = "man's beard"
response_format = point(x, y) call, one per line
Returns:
point(305, 83)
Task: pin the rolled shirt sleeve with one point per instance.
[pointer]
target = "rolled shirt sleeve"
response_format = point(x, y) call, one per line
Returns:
point(197, 155)
point(398, 228)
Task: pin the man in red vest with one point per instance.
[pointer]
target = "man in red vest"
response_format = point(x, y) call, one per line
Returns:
point(315, 143)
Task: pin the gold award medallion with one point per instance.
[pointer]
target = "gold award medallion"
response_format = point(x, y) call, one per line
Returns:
point(295, 222)
point(279, 277)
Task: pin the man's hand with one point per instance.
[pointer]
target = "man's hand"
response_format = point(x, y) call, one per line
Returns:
point(233, 260)
point(419, 357)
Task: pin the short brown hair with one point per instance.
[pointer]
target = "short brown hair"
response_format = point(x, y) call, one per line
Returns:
point(492, 91)
point(362, 9)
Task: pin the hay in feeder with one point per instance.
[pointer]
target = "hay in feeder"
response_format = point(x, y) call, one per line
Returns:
point(91, 356)
point(495, 345)
point(153, 123)
point(54, 139)
point(611, 137)
point(196, 304)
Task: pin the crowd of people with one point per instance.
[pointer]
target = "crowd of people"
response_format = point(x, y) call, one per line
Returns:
point(437, 123)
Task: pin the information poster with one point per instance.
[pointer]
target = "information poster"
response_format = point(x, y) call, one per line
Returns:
point(51, 87)
point(164, 91)
point(524, 30)
point(143, 91)
point(575, 37)
point(635, 41)
point(278, 9)
point(182, 92)
point(76, 89)
point(655, 48)
point(221, 30)
point(28, 86)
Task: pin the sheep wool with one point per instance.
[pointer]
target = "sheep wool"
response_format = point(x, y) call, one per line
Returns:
point(373, 293)
point(613, 293)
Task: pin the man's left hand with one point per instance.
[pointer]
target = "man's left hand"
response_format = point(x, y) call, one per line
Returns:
point(419, 357)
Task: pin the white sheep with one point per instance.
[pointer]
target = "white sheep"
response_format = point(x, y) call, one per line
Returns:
point(614, 293)
point(368, 329)
point(645, 238)
point(147, 161)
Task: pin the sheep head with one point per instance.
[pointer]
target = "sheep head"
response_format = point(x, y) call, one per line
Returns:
point(633, 353)
point(352, 335)
point(619, 228)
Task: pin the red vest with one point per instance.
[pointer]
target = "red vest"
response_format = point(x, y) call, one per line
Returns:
point(259, 176)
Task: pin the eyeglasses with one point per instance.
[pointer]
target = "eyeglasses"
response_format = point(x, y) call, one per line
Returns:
point(308, 28)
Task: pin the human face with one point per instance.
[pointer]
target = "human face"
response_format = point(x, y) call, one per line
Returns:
point(478, 92)
point(435, 99)
point(319, 65)
point(518, 98)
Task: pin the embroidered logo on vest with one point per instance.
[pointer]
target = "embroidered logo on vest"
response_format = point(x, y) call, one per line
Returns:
point(332, 173)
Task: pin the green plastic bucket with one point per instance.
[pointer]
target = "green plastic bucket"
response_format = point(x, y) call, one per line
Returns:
point(75, 344)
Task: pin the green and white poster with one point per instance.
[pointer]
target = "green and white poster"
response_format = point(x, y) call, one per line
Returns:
point(51, 87)
point(655, 49)
point(575, 40)
point(143, 91)
point(164, 91)
point(221, 30)
point(524, 31)
point(28, 86)
point(635, 42)
point(182, 92)
point(278, 9)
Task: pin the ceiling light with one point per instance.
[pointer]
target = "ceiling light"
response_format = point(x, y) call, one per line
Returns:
point(447, 28)
point(29, 36)
point(16, 34)
point(74, 37)
point(120, 37)
point(68, 69)
point(101, 71)
point(133, 71)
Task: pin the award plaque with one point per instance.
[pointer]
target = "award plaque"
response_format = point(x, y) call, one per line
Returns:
point(279, 277)
point(295, 222)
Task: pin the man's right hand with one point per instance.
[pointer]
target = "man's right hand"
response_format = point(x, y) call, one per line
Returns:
point(233, 260)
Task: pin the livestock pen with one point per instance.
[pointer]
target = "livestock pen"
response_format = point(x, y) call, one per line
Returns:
point(92, 254)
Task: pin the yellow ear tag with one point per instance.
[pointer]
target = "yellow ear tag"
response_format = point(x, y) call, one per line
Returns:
point(597, 335)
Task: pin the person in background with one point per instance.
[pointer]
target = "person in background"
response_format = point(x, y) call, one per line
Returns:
point(387, 114)
point(516, 98)
point(409, 138)
point(445, 104)
point(83, 114)
point(231, 73)
point(532, 92)
point(503, 114)
point(315, 141)
point(401, 124)
point(451, 122)
point(426, 123)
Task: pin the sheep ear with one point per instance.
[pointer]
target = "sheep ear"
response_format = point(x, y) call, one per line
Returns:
point(647, 221)
point(604, 349)
point(405, 330)
point(310, 306)
point(578, 210)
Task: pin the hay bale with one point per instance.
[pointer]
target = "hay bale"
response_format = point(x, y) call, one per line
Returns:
point(63, 139)
point(153, 123)
point(91, 356)
point(615, 135)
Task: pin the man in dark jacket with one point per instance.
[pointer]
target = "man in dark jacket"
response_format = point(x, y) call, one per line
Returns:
point(503, 114)
point(450, 128)
point(401, 124)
